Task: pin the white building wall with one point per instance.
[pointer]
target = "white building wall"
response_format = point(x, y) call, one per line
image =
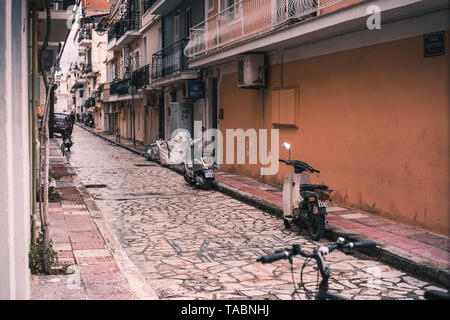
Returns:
point(15, 186)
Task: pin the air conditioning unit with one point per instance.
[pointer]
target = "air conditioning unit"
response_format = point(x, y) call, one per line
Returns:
point(251, 71)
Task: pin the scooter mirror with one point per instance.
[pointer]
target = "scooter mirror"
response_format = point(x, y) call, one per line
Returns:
point(286, 145)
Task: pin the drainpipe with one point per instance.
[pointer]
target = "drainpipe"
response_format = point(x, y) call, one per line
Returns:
point(34, 72)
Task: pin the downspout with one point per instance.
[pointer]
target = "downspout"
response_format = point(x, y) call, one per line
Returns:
point(34, 57)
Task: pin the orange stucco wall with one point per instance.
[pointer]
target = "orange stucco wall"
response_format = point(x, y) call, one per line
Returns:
point(373, 120)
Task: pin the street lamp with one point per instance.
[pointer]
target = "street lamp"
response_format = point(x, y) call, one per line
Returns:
point(132, 91)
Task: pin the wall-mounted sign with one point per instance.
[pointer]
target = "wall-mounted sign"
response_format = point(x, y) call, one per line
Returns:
point(195, 90)
point(434, 44)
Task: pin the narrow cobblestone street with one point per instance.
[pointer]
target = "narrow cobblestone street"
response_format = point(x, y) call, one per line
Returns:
point(195, 244)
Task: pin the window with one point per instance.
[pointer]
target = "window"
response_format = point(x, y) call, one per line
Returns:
point(188, 21)
point(144, 48)
point(232, 13)
point(176, 28)
point(136, 60)
point(159, 39)
point(209, 5)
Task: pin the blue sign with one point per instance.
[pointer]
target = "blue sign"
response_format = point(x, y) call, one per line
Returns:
point(196, 90)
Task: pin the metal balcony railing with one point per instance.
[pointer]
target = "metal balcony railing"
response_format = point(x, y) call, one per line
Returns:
point(119, 86)
point(90, 102)
point(249, 18)
point(129, 21)
point(170, 60)
point(141, 77)
point(87, 68)
point(84, 34)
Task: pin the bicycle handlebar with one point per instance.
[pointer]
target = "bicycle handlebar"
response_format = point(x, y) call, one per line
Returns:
point(317, 253)
point(297, 163)
point(283, 254)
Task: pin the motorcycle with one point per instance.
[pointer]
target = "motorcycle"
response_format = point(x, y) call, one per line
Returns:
point(199, 171)
point(66, 141)
point(151, 152)
point(89, 122)
point(303, 201)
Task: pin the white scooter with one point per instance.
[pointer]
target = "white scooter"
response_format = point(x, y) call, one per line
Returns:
point(304, 201)
point(199, 169)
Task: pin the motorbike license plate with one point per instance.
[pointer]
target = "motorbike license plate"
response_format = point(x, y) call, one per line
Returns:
point(209, 173)
point(323, 203)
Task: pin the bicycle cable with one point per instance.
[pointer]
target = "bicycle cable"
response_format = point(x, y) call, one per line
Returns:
point(293, 282)
point(308, 292)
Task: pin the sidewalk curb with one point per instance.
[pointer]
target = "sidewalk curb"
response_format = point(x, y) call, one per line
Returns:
point(385, 253)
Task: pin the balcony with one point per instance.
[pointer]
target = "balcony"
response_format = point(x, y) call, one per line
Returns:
point(119, 86)
point(249, 19)
point(86, 69)
point(85, 38)
point(170, 64)
point(141, 77)
point(124, 31)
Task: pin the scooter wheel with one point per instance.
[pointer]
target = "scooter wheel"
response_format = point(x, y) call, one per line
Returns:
point(287, 223)
point(316, 226)
point(208, 184)
point(188, 179)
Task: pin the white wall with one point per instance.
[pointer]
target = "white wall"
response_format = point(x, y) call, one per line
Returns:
point(15, 186)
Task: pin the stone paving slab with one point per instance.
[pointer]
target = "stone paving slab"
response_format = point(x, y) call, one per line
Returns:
point(203, 244)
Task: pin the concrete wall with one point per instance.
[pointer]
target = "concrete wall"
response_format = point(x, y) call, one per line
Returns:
point(373, 120)
point(15, 189)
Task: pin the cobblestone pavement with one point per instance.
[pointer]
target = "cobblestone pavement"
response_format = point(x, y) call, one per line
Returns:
point(196, 244)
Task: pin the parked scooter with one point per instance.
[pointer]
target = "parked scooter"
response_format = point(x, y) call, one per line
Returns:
point(199, 171)
point(152, 151)
point(66, 141)
point(304, 201)
point(90, 121)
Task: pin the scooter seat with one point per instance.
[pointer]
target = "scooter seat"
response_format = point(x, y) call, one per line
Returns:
point(313, 186)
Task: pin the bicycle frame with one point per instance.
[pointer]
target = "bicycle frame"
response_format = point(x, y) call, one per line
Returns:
point(323, 293)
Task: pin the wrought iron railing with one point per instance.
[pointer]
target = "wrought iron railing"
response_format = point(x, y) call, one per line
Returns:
point(87, 68)
point(119, 86)
point(170, 60)
point(85, 34)
point(90, 102)
point(141, 77)
point(130, 20)
point(247, 19)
